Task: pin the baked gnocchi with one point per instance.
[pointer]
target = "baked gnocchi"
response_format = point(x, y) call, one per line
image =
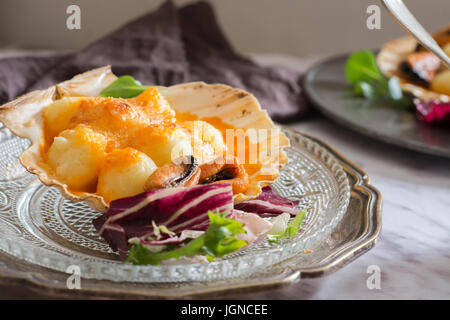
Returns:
point(76, 156)
point(111, 146)
point(123, 173)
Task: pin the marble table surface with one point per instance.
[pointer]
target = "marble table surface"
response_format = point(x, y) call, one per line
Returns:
point(413, 254)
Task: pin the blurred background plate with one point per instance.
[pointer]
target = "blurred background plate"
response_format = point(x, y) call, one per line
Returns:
point(326, 86)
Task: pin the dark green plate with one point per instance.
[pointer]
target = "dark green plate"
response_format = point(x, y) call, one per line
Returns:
point(327, 88)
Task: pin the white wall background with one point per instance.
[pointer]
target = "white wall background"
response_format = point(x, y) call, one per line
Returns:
point(295, 27)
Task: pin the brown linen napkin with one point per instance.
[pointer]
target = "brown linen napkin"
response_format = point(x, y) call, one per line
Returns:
point(165, 47)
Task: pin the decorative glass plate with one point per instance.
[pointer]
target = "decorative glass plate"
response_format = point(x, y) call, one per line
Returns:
point(41, 232)
point(39, 225)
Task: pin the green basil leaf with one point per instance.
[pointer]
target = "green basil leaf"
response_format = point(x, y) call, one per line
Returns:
point(362, 66)
point(125, 87)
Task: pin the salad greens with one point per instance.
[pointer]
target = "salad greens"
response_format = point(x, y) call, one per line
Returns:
point(291, 229)
point(218, 240)
point(362, 72)
point(125, 87)
point(362, 67)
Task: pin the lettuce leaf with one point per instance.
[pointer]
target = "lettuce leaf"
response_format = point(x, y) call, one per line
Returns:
point(218, 240)
point(362, 66)
point(291, 229)
point(125, 87)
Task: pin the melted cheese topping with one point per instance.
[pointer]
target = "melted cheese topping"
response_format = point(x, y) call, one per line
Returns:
point(119, 119)
point(240, 149)
point(138, 133)
point(123, 173)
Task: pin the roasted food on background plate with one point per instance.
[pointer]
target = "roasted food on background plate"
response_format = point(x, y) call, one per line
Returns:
point(419, 70)
point(406, 76)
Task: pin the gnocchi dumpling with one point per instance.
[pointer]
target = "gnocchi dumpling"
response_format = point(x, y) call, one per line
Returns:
point(207, 141)
point(123, 173)
point(164, 144)
point(76, 155)
point(58, 114)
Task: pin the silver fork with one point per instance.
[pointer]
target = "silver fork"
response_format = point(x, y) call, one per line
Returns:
point(406, 19)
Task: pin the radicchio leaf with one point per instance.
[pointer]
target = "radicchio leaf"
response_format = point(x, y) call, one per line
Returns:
point(268, 204)
point(433, 111)
point(177, 209)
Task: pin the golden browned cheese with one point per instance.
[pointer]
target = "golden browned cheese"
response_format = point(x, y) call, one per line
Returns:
point(137, 135)
point(123, 173)
point(119, 119)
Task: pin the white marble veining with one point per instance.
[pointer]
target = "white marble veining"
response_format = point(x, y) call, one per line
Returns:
point(414, 251)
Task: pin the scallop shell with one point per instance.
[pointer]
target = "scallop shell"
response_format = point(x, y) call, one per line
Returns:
point(392, 54)
point(235, 107)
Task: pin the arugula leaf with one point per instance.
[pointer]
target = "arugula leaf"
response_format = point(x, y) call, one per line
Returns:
point(291, 229)
point(218, 240)
point(125, 87)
